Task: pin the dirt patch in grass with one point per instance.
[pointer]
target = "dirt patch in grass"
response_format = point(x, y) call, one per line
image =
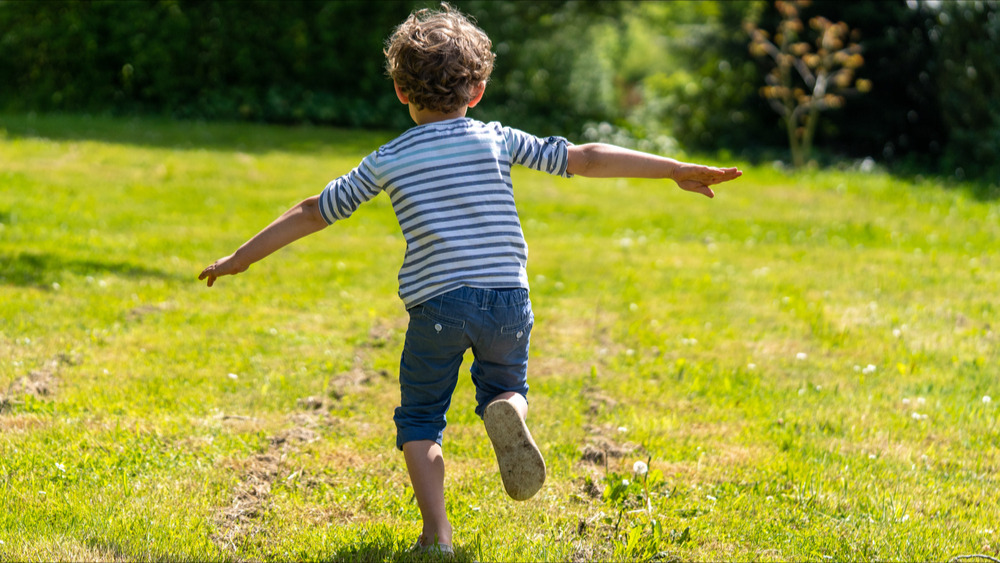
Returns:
point(41, 383)
point(20, 423)
point(603, 441)
point(243, 518)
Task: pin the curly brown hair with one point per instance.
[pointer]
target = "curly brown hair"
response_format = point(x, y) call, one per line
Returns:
point(438, 58)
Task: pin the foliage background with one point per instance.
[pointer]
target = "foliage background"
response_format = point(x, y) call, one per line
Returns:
point(663, 75)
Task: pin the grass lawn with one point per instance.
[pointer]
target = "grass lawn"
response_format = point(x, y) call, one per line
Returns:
point(805, 362)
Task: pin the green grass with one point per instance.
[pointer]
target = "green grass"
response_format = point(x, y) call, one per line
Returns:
point(803, 362)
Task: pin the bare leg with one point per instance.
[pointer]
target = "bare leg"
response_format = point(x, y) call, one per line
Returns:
point(425, 463)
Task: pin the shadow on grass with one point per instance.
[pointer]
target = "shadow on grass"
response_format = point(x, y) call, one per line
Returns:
point(167, 133)
point(372, 552)
point(380, 543)
point(42, 270)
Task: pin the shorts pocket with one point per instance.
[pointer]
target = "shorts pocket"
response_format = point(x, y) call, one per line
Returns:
point(521, 328)
point(437, 317)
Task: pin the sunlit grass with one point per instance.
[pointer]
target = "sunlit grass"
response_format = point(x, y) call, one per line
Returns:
point(808, 362)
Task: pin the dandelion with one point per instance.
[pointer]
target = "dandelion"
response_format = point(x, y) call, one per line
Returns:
point(640, 468)
point(626, 482)
point(233, 376)
point(986, 399)
point(622, 429)
point(801, 356)
point(869, 369)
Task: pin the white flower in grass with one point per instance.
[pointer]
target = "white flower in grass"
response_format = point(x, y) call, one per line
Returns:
point(233, 376)
point(61, 467)
point(986, 399)
point(921, 400)
point(751, 367)
point(640, 468)
point(869, 369)
point(622, 429)
point(801, 356)
point(626, 482)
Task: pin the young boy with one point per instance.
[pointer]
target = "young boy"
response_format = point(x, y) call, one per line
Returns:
point(463, 278)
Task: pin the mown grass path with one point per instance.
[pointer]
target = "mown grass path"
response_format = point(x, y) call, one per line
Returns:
point(808, 363)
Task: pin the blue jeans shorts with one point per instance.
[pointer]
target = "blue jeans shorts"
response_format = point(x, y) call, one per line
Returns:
point(494, 323)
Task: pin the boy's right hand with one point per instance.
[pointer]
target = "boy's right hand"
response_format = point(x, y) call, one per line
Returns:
point(222, 267)
point(697, 178)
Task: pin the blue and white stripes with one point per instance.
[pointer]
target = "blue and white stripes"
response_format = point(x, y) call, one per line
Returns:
point(449, 183)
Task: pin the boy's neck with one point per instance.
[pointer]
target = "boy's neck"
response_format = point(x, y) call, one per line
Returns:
point(423, 117)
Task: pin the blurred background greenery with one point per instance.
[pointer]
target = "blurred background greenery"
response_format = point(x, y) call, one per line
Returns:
point(664, 76)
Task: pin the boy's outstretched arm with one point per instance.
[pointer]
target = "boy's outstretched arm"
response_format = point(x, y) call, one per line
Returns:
point(301, 220)
point(599, 160)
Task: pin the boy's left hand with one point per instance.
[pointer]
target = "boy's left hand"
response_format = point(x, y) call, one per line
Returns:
point(697, 178)
point(222, 267)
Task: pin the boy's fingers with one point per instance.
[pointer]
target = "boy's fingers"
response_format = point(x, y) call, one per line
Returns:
point(720, 175)
point(697, 187)
point(207, 274)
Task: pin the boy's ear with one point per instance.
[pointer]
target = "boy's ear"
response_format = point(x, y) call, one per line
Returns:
point(479, 91)
point(403, 98)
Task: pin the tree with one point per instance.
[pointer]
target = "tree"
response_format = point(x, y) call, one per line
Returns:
point(805, 82)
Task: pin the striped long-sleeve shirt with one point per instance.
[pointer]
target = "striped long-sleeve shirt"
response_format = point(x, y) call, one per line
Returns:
point(450, 186)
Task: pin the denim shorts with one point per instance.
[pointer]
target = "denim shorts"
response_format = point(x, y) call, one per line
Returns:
point(494, 323)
